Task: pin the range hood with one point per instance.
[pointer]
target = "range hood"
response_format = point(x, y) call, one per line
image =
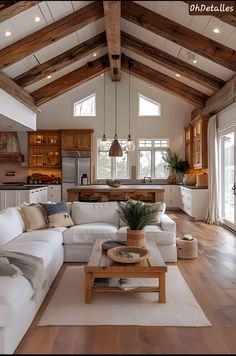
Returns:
point(10, 147)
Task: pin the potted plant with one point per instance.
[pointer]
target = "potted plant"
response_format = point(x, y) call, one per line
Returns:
point(137, 215)
point(174, 165)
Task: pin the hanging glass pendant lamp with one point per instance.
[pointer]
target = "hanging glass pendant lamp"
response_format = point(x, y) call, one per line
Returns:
point(115, 149)
point(103, 144)
point(130, 144)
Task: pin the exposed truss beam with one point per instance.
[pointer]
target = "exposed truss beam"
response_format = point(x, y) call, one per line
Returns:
point(70, 81)
point(53, 65)
point(179, 34)
point(12, 8)
point(112, 11)
point(168, 61)
point(163, 81)
point(50, 33)
point(17, 92)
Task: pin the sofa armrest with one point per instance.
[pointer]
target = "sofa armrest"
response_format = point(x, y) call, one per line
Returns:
point(167, 224)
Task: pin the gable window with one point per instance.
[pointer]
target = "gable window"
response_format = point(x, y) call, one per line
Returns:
point(86, 106)
point(148, 107)
point(112, 167)
point(151, 163)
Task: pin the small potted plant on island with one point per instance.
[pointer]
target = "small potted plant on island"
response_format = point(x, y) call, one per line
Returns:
point(174, 166)
point(137, 214)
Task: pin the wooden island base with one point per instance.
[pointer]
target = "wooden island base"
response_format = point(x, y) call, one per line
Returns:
point(102, 193)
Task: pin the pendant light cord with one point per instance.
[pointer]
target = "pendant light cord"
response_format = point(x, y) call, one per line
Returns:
point(129, 99)
point(104, 104)
point(115, 108)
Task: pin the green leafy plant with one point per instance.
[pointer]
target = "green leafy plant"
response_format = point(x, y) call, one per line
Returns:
point(137, 214)
point(173, 163)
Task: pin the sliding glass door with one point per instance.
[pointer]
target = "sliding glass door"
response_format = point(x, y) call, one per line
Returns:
point(227, 175)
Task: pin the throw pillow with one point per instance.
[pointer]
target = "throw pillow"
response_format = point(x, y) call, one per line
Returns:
point(34, 217)
point(159, 208)
point(58, 214)
point(8, 269)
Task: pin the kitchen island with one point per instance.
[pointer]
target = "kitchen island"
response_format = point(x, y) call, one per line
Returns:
point(96, 192)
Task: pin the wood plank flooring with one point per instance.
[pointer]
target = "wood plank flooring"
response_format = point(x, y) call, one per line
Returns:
point(212, 279)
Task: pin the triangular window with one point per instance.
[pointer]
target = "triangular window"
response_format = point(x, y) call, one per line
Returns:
point(148, 107)
point(86, 106)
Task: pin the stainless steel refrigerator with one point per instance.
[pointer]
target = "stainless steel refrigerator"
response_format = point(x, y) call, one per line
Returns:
point(74, 165)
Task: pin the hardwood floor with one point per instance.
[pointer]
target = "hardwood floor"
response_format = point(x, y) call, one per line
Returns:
point(212, 279)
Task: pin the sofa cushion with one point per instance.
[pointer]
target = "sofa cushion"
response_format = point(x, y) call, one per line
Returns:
point(151, 231)
point(14, 293)
point(53, 237)
point(58, 214)
point(88, 233)
point(85, 213)
point(39, 249)
point(34, 217)
point(11, 224)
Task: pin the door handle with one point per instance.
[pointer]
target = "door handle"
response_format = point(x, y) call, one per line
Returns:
point(234, 188)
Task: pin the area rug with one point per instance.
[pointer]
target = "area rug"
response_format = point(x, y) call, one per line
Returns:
point(67, 306)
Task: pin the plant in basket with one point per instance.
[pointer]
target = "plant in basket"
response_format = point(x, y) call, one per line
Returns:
point(137, 214)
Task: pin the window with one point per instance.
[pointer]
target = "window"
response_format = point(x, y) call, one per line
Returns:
point(148, 107)
point(86, 106)
point(151, 163)
point(112, 167)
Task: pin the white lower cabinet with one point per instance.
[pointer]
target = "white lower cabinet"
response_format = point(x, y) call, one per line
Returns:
point(194, 202)
point(54, 193)
point(10, 198)
point(172, 196)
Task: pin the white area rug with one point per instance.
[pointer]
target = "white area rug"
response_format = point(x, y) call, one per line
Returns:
point(67, 305)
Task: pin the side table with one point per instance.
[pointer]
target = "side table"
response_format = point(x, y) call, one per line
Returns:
point(186, 249)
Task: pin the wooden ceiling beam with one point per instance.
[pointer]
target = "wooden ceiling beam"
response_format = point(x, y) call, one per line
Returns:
point(65, 59)
point(70, 80)
point(50, 33)
point(219, 100)
point(20, 94)
point(112, 11)
point(163, 81)
point(168, 61)
point(10, 8)
point(179, 34)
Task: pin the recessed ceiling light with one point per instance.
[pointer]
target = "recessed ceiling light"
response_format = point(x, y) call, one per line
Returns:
point(177, 75)
point(102, 74)
point(36, 19)
point(8, 33)
point(216, 30)
point(49, 77)
point(94, 54)
point(195, 61)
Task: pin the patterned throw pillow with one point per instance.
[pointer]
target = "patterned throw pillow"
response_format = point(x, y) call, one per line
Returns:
point(58, 214)
point(34, 217)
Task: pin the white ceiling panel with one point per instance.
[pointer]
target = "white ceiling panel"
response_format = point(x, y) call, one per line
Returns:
point(179, 13)
point(148, 4)
point(162, 7)
point(20, 67)
point(171, 48)
point(91, 30)
point(59, 9)
point(199, 23)
point(79, 4)
point(231, 42)
point(65, 70)
point(57, 48)
point(225, 30)
point(20, 26)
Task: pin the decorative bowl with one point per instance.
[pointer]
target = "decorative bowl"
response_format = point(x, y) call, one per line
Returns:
point(113, 183)
point(128, 254)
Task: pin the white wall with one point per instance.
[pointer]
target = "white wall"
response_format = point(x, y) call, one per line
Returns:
point(175, 112)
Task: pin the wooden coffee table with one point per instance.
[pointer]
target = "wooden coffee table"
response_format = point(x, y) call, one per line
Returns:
point(100, 266)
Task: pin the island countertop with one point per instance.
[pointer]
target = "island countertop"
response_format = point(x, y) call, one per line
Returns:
point(103, 192)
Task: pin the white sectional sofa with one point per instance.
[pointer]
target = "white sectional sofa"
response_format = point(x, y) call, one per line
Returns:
point(57, 245)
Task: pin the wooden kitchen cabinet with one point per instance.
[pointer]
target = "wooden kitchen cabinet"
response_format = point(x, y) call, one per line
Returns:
point(189, 144)
point(200, 127)
point(44, 149)
point(77, 140)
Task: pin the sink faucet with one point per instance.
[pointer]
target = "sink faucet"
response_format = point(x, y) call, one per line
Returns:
point(149, 180)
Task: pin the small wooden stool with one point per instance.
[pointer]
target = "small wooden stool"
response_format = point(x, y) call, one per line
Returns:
point(186, 249)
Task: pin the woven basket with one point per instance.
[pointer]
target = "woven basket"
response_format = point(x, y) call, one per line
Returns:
point(186, 249)
point(113, 254)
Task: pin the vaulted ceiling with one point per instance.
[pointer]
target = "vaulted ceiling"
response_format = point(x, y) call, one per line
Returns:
point(74, 41)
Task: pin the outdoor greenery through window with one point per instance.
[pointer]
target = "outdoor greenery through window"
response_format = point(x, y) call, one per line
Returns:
point(112, 167)
point(151, 163)
point(148, 107)
point(86, 106)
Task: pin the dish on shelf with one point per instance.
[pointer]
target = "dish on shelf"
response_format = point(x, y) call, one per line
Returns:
point(113, 183)
point(128, 254)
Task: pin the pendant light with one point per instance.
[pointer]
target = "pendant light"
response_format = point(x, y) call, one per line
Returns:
point(130, 144)
point(115, 149)
point(103, 144)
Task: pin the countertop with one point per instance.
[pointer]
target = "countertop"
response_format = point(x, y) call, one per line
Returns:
point(20, 187)
point(134, 186)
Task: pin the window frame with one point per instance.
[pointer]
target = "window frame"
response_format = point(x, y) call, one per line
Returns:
point(153, 149)
point(152, 101)
point(82, 100)
point(113, 161)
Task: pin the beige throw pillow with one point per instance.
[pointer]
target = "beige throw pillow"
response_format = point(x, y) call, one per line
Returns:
point(34, 217)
